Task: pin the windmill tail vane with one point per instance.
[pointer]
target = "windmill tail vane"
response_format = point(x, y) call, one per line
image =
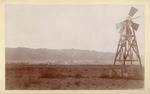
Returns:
point(127, 50)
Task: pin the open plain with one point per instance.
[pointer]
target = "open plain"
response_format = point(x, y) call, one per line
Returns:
point(66, 77)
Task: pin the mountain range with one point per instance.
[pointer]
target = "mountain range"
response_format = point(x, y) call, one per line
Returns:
point(63, 55)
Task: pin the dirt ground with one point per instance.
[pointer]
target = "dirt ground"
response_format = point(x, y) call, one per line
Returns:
point(65, 77)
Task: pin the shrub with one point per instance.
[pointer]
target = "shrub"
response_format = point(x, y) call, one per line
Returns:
point(77, 83)
point(52, 75)
point(78, 76)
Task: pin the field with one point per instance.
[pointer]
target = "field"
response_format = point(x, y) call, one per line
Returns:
point(69, 77)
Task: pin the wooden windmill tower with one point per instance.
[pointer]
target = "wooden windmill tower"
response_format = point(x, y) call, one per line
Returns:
point(127, 50)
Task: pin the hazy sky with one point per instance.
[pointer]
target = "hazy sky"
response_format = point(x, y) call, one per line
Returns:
point(65, 27)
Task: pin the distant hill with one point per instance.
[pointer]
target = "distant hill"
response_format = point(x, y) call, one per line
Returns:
point(64, 55)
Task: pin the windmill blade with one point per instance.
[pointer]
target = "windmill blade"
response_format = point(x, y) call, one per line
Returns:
point(134, 26)
point(122, 29)
point(118, 25)
point(132, 11)
point(135, 17)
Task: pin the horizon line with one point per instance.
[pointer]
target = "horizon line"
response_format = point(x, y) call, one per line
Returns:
point(62, 49)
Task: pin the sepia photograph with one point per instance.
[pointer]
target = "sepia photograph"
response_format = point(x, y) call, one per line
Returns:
point(74, 47)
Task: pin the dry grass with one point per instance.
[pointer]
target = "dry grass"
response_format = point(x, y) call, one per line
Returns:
point(57, 77)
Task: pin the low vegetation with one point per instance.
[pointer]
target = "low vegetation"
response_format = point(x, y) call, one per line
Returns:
point(57, 77)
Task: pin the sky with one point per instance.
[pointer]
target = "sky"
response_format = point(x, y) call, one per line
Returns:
point(68, 26)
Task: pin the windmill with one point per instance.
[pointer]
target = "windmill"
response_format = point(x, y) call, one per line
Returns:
point(127, 51)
